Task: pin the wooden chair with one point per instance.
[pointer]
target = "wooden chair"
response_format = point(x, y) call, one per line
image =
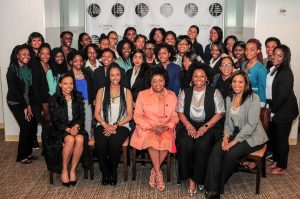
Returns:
point(143, 159)
point(124, 159)
point(259, 158)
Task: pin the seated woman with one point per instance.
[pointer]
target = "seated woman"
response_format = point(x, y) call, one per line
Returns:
point(113, 111)
point(155, 119)
point(199, 108)
point(243, 134)
point(66, 112)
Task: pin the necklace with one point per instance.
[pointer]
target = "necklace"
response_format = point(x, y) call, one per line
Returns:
point(114, 95)
point(78, 75)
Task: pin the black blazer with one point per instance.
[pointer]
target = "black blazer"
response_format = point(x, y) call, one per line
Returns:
point(198, 49)
point(16, 88)
point(89, 81)
point(216, 68)
point(284, 102)
point(140, 81)
point(40, 86)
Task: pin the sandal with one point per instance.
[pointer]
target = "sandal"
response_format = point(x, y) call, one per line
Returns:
point(152, 178)
point(24, 161)
point(160, 184)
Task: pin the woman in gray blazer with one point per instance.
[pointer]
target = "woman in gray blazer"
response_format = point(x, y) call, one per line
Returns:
point(243, 134)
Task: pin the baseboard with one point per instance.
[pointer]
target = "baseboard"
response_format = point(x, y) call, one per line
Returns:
point(15, 138)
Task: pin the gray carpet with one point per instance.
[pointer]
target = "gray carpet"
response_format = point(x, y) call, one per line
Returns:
point(31, 181)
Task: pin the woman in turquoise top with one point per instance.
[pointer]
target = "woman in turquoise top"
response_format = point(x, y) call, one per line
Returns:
point(125, 48)
point(256, 71)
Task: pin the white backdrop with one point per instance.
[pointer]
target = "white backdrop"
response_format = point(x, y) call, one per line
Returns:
point(176, 15)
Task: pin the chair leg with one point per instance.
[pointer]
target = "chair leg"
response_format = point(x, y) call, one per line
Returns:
point(169, 167)
point(143, 155)
point(133, 166)
point(258, 175)
point(92, 164)
point(125, 165)
point(85, 173)
point(263, 168)
point(51, 177)
point(178, 172)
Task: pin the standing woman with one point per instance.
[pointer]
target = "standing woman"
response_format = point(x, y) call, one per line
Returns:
point(239, 54)
point(113, 111)
point(35, 40)
point(84, 40)
point(170, 38)
point(185, 75)
point(215, 35)
point(243, 134)
point(216, 50)
point(83, 84)
point(136, 76)
point(256, 71)
point(140, 41)
point(229, 43)
point(66, 111)
point(283, 105)
point(157, 35)
point(125, 48)
point(58, 62)
point(155, 119)
point(130, 34)
point(92, 62)
point(113, 40)
point(19, 82)
point(199, 108)
point(193, 33)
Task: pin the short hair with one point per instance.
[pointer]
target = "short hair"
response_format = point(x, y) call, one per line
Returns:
point(191, 55)
point(34, 35)
point(96, 48)
point(184, 37)
point(219, 46)
point(276, 40)
point(241, 44)
point(227, 57)
point(201, 66)
point(44, 45)
point(63, 33)
point(168, 47)
point(141, 36)
point(102, 37)
point(157, 70)
point(108, 50)
point(170, 32)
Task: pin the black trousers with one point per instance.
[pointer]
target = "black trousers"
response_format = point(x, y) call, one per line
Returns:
point(279, 138)
point(26, 132)
point(108, 149)
point(221, 164)
point(193, 153)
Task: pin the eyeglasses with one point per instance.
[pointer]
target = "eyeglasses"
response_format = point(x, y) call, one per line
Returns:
point(229, 65)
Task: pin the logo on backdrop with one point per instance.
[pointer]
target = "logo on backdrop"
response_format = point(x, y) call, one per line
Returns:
point(94, 10)
point(191, 9)
point(95, 39)
point(215, 9)
point(117, 10)
point(141, 9)
point(166, 9)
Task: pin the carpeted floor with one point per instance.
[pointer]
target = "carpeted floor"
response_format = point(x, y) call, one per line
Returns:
point(31, 181)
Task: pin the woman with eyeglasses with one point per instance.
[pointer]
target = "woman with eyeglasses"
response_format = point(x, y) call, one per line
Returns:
point(229, 43)
point(149, 52)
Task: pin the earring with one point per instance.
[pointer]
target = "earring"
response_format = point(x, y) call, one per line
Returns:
point(207, 82)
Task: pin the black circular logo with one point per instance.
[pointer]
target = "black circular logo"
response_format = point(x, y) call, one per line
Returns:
point(94, 10)
point(191, 9)
point(117, 10)
point(141, 9)
point(95, 39)
point(215, 9)
point(166, 9)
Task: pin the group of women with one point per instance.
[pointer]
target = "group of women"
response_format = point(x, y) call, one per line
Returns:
point(165, 93)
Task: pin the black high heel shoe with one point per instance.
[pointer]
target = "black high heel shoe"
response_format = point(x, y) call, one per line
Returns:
point(212, 195)
point(66, 184)
point(113, 180)
point(105, 180)
point(73, 183)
